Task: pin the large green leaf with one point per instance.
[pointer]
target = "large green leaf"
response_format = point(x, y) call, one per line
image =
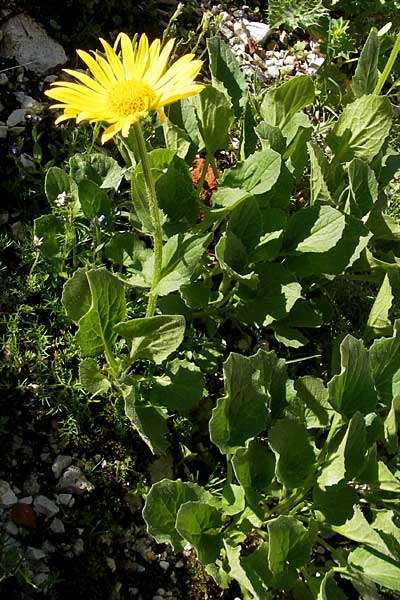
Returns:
point(201, 524)
point(366, 75)
point(153, 338)
point(50, 230)
point(315, 229)
point(107, 307)
point(161, 507)
point(359, 530)
point(363, 189)
point(373, 565)
point(254, 466)
point(58, 182)
point(291, 444)
point(99, 168)
point(149, 421)
point(379, 322)
point(277, 292)
point(314, 400)
point(329, 590)
point(384, 358)
point(257, 174)
point(91, 378)
point(335, 502)
point(94, 200)
point(253, 385)
point(280, 104)
point(181, 254)
point(353, 388)
point(319, 167)
point(346, 455)
point(76, 296)
point(225, 69)
point(180, 388)
point(215, 116)
point(289, 544)
point(233, 259)
point(250, 571)
point(175, 193)
point(361, 129)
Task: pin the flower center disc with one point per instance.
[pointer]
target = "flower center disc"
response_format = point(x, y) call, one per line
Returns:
point(130, 98)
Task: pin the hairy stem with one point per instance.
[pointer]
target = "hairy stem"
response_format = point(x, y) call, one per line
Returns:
point(389, 66)
point(155, 218)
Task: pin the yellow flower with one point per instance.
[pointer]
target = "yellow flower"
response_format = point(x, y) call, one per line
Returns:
point(126, 85)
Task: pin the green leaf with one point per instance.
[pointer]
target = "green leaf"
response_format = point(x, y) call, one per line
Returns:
point(232, 500)
point(319, 190)
point(225, 69)
point(346, 456)
point(94, 200)
point(280, 104)
point(181, 255)
point(271, 137)
point(251, 571)
point(99, 168)
point(273, 225)
point(361, 129)
point(291, 444)
point(379, 322)
point(314, 398)
point(366, 75)
point(57, 182)
point(257, 174)
point(245, 222)
point(363, 188)
point(91, 378)
point(391, 427)
point(195, 294)
point(254, 386)
point(254, 466)
point(384, 358)
point(215, 117)
point(153, 338)
point(335, 502)
point(76, 296)
point(201, 524)
point(353, 388)
point(181, 388)
point(329, 590)
point(233, 259)
point(178, 139)
point(176, 194)
point(96, 327)
point(359, 530)
point(127, 249)
point(275, 296)
point(315, 229)
point(149, 421)
point(49, 229)
point(380, 569)
point(289, 544)
point(161, 507)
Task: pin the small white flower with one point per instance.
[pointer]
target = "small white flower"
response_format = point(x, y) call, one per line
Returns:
point(60, 200)
point(37, 241)
point(98, 220)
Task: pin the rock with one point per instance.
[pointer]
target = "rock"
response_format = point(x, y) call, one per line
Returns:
point(35, 553)
point(45, 506)
point(164, 565)
point(57, 526)
point(28, 43)
point(65, 499)
point(31, 485)
point(7, 496)
point(78, 547)
point(23, 514)
point(61, 462)
point(12, 529)
point(74, 482)
point(3, 131)
point(258, 31)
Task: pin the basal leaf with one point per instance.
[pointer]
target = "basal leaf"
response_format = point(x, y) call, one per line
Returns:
point(335, 502)
point(58, 182)
point(225, 69)
point(254, 466)
point(373, 565)
point(280, 104)
point(384, 358)
point(91, 378)
point(181, 254)
point(366, 75)
point(201, 525)
point(215, 117)
point(359, 530)
point(353, 388)
point(391, 427)
point(99, 168)
point(314, 397)
point(149, 421)
point(250, 571)
point(181, 388)
point(329, 590)
point(379, 322)
point(94, 200)
point(161, 507)
point(319, 190)
point(346, 456)
point(361, 129)
point(76, 296)
point(153, 338)
point(289, 544)
point(50, 230)
point(257, 174)
point(96, 327)
point(314, 230)
point(363, 189)
point(295, 456)
point(254, 386)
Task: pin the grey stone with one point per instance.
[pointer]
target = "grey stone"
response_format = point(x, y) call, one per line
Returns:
point(3, 131)
point(57, 526)
point(7, 496)
point(258, 31)
point(61, 462)
point(45, 506)
point(35, 553)
point(11, 528)
point(74, 482)
point(31, 485)
point(64, 499)
point(28, 43)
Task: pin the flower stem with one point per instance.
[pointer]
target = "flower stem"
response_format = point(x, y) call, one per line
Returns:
point(155, 218)
point(389, 66)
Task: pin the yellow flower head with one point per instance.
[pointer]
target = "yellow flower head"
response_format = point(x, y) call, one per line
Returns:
point(126, 85)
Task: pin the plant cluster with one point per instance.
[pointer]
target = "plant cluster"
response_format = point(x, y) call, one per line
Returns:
point(162, 285)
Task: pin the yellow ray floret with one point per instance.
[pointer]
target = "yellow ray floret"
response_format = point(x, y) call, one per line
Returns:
point(125, 84)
